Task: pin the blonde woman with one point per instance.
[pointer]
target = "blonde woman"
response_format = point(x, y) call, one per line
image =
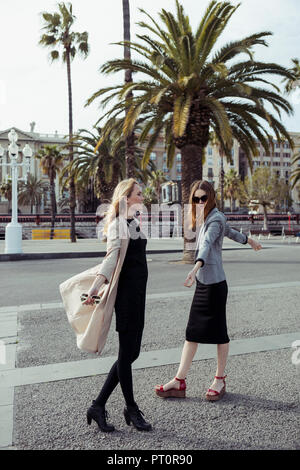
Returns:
point(129, 303)
point(207, 319)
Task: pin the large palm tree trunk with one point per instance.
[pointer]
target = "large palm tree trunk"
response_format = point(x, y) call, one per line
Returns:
point(71, 156)
point(191, 170)
point(129, 142)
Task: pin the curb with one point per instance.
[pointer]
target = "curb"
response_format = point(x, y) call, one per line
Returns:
point(88, 254)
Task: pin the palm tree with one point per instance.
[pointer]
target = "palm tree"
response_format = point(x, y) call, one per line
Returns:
point(6, 191)
point(291, 85)
point(101, 157)
point(51, 162)
point(31, 191)
point(189, 88)
point(129, 141)
point(293, 82)
point(156, 179)
point(59, 34)
point(295, 174)
point(150, 197)
point(232, 186)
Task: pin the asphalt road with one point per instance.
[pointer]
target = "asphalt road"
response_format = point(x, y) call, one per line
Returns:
point(30, 282)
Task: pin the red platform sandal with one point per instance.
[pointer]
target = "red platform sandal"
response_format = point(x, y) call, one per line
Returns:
point(172, 392)
point(217, 395)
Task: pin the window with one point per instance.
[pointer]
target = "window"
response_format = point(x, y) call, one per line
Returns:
point(178, 177)
point(152, 156)
point(286, 155)
point(165, 168)
point(178, 167)
point(178, 157)
point(209, 151)
point(277, 154)
point(165, 157)
point(286, 145)
point(210, 173)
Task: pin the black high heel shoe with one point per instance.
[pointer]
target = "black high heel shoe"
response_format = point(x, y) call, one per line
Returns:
point(99, 414)
point(133, 415)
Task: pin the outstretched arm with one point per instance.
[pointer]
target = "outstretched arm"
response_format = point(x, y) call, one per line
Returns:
point(235, 235)
point(241, 237)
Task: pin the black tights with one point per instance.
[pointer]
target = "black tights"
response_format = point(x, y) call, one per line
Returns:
point(129, 350)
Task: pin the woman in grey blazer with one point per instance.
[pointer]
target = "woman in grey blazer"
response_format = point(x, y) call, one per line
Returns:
point(207, 319)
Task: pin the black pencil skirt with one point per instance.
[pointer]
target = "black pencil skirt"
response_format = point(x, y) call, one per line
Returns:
point(207, 320)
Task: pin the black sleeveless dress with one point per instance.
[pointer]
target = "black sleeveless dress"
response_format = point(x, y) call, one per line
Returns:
point(131, 294)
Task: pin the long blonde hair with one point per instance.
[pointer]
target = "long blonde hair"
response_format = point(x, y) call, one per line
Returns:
point(121, 192)
point(211, 202)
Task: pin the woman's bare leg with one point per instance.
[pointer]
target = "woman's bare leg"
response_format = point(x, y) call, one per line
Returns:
point(187, 355)
point(222, 354)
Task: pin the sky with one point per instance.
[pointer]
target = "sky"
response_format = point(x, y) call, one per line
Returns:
point(33, 89)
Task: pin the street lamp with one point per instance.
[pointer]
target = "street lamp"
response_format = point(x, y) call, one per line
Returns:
point(13, 230)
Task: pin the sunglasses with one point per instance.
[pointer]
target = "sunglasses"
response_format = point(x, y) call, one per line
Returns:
point(196, 199)
point(96, 298)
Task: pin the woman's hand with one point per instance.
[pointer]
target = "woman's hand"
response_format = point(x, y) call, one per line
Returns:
point(255, 245)
point(191, 277)
point(99, 281)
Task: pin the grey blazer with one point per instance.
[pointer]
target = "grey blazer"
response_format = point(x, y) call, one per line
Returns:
point(209, 246)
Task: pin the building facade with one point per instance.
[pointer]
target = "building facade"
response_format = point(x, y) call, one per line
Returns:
point(36, 141)
point(279, 161)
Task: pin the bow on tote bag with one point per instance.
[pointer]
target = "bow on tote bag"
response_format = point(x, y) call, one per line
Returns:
point(91, 323)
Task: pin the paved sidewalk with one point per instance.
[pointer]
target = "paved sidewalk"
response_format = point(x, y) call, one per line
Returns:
point(42, 406)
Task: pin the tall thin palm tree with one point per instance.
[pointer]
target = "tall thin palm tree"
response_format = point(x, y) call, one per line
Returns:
point(129, 140)
point(59, 35)
point(31, 191)
point(188, 88)
point(51, 162)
